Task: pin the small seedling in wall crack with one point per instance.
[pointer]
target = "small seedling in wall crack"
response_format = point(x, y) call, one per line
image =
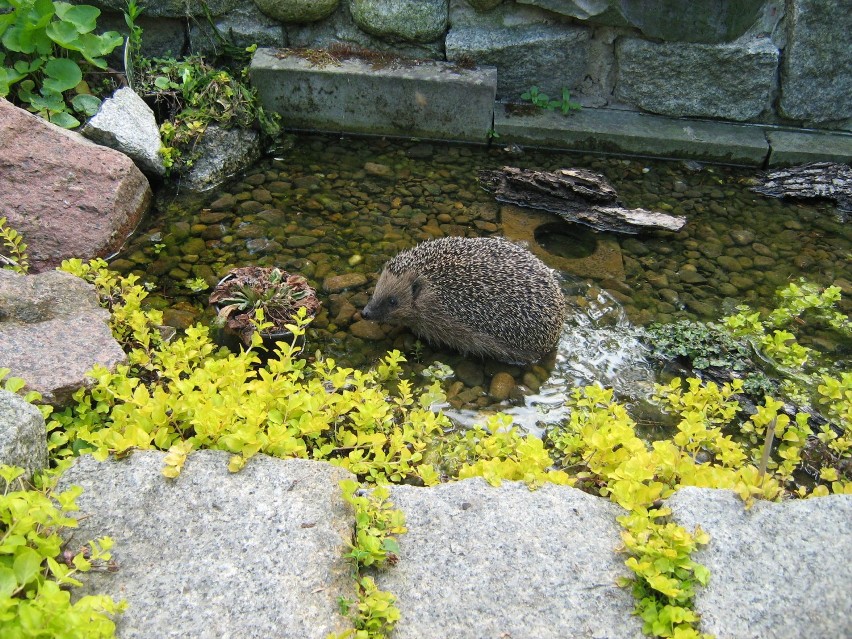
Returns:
point(565, 104)
point(541, 100)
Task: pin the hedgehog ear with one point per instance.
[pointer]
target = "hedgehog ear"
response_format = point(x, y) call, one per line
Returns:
point(416, 287)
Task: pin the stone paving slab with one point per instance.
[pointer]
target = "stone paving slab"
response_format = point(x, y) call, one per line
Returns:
point(483, 562)
point(801, 147)
point(605, 260)
point(429, 99)
point(219, 555)
point(779, 571)
point(628, 132)
point(260, 554)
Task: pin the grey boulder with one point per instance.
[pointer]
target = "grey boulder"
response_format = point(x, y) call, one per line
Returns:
point(517, 39)
point(816, 74)
point(735, 81)
point(298, 11)
point(23, 440)
point(127, 124)
point(408, 20)
point(222, 153)
point(244, 26)
point(479, 561)
point(776, 570)
point(211, 554)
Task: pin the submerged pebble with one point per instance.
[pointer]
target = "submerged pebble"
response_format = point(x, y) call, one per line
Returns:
point(502, 385)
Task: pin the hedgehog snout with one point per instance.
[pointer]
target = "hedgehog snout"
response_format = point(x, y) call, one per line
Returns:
point(368, 313)
point(381, 308)
point(372, 311)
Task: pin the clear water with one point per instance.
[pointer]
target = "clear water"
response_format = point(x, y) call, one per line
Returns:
point(328, 207)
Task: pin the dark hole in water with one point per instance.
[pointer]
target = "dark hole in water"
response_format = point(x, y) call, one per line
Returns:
point(565, 240)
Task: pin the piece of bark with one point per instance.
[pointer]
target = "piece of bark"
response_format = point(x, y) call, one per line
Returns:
point(577, 195)
point(818, 180)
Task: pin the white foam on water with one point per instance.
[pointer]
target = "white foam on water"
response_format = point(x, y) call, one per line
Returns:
point(598, 346)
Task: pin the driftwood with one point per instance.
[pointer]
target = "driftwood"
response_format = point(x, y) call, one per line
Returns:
point(577, 195)
point(820, 180)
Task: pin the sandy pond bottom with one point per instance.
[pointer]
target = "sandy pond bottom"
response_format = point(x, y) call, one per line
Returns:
point(336, 209)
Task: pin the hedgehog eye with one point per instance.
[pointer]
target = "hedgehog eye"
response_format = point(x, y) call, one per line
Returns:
point(393, 302)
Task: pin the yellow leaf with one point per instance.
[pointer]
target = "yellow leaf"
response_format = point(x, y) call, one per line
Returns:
point(828, 474)
point(171, 471)
point(236, 463)
point(842, 487)
point(700, 536)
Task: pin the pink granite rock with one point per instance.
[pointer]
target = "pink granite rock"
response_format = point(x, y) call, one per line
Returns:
point(52, 331)
point(66, 195)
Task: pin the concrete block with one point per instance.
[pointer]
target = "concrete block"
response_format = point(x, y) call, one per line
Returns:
point(413, 99)
point(631, 133)
point(800, 147)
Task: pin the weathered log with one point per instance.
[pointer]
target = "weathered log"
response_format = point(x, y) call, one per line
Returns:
point(577, 195)
point(819, 180)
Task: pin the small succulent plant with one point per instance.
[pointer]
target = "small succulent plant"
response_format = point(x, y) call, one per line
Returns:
point(277, 293)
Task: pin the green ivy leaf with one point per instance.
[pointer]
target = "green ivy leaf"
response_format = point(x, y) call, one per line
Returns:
point(82, 17)
point(65, 120)
point(62, 74)
point(23, 66)
point(25, 89)
point(6, 20)
point(49, 102)
point(44, 10)
point(702, 574)
point(10, 473)
point(24, 28)
point(12, 41)
point(6, 79)
point(14, 384)
point(64, 34)
point(389, 544)
point(31, 617)
point(94, 47)
point(86, 104)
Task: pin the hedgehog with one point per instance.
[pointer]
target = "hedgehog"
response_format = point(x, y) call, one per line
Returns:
point(482, 296)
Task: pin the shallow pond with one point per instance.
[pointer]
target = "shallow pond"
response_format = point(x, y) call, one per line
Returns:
point(336, 209)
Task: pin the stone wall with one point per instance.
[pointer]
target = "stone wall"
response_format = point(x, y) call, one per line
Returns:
point(783, 62)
